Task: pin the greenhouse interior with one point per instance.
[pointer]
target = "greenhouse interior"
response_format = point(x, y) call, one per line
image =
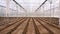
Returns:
point(29, 16)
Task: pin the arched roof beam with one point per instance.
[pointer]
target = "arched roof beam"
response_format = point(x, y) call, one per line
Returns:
point(19, 5)
point(41, 5)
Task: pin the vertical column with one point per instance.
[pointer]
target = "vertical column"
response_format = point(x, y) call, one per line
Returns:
point(7, 7)
point(43, 11)
point(50, 2)
point(59, 12)
point(16, 11)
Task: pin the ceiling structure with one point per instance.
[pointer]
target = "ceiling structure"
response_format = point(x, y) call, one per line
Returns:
point(32, 5)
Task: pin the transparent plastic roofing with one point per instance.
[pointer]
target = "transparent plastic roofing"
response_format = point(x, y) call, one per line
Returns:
point(32, 5)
